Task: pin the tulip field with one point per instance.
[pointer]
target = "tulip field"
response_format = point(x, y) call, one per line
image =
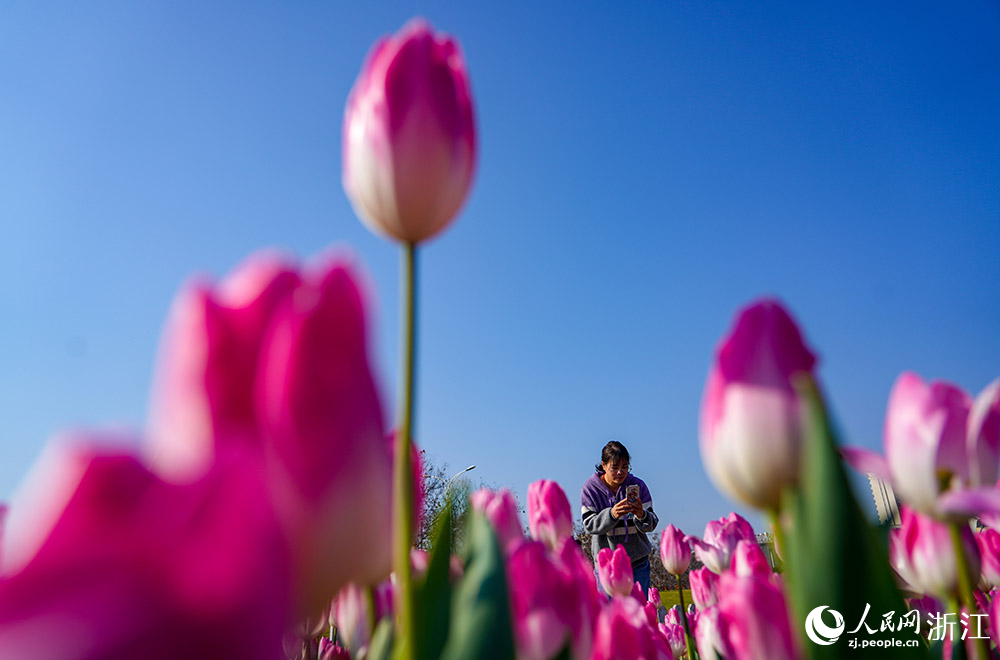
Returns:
point(240, 528)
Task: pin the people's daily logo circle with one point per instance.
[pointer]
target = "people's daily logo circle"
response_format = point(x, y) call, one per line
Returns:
point(821, 633)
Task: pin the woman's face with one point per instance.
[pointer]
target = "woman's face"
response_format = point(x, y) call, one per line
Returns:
point(615, 472)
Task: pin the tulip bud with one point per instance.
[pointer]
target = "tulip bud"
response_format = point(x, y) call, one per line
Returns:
point(752, 418)
point(675, 550)
point(409, 143)
point(500, 509)
point(614, 569)
point(549, 516)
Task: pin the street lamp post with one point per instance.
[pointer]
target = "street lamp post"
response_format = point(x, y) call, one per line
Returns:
point(447, 489)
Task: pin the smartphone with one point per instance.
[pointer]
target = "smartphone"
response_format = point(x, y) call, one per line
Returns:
point(632, 493)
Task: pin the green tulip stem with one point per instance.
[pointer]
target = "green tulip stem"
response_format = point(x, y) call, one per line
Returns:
point(403, 478)
point(965, 583)
point(779, 536)
point(692, 654)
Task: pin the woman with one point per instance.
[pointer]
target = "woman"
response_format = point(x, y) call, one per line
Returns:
point(611, 518)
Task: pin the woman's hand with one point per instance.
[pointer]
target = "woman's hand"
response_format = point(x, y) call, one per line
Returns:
point(619, 510)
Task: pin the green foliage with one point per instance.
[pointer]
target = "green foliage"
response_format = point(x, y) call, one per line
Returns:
point(481, 626)
point(833, 557)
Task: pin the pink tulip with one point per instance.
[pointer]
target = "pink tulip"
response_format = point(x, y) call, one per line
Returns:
point(352, 613)
point(753, 619)
point(937, 439)
point(929, 555)
point(704, 587)
point(675, 550)
point(544, 603)
point(705, 630)
point(614, 569)
point(623, 633)
point(409, 143)
point(136, 567)
point(330, 651)
point(500, 508)
point(752, 419)
point(637, 594)
point(749, 560)
point(588, 599)
point(274, 362)
point(673, 616)
point(323, 434)
point(988, 542)
point(716, 549)
point(549, 516)
point(674, 635)
point(210, 357)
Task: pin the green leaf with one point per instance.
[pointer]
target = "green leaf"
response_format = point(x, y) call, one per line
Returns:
point(433, 593)
point(480, 625)
point(381, 644)
point(833, 556)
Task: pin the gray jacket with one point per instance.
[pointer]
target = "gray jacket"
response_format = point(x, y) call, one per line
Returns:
point(596, 501)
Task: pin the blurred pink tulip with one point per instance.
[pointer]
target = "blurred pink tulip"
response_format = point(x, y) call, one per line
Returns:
point(614, 569)
point(716, 549)
point(588, 599)
point(988, 542)
point(749, 560)
point(929, 554)
point(675, 550)
point(274, 362)
point(409, 143)
point(937, 439)
point(549, 516)
point(753, 619)
point(209, 362)
point(352, 613)
point(324, 437)
point(330, 651)
point(623, 633)
point(751, 419)
point(705, 630)
point(500, 508)
point(704, 587)
point(136, 567)
point(543, 598)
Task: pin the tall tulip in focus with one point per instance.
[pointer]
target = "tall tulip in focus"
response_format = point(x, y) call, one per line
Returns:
point(409, 146)
point(751, 417)
point(409, 151)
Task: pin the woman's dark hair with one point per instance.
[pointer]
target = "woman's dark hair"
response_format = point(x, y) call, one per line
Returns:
point(614, 452)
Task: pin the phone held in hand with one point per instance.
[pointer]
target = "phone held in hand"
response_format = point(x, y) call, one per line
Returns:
point(632, 493)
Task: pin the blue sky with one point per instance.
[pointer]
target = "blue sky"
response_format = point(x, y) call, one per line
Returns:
point(645, 170)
